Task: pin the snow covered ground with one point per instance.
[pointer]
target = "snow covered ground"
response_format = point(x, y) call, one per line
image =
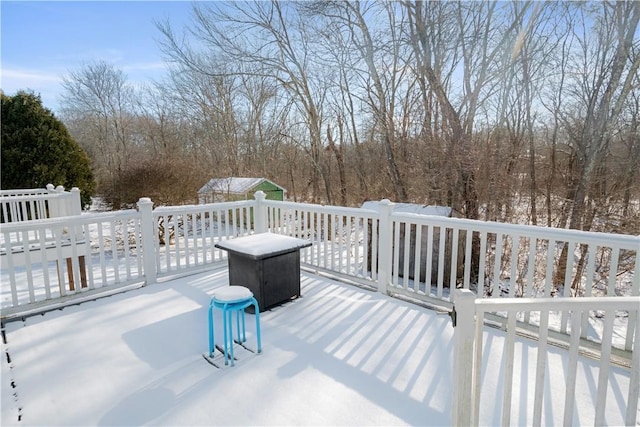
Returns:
point(340, 355)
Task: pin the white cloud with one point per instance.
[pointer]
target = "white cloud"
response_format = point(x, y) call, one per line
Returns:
point(76, 59)
point(142, 73)
point(158, 65)
point(46, 84)
point(20, 78)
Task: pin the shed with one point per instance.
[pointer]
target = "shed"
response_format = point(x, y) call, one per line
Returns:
point(235, 188)
point(435, 242)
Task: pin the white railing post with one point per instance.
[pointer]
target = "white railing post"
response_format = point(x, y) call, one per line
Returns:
point(145, 207)
point(634, 381)
point(76, 204)
point(463, 403)
point(385, 238)
point(74, 208)
point(260, 213)
point(56, 203)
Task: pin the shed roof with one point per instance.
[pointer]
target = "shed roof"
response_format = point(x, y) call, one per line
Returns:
point(234, 185)
point(411, 208)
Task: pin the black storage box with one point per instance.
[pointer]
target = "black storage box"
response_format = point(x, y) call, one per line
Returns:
point(268, 264)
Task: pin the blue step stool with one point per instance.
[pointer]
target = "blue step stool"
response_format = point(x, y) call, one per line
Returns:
point(229, 300)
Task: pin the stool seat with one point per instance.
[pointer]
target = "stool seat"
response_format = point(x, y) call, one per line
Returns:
point(232, 294)
point(232, 299)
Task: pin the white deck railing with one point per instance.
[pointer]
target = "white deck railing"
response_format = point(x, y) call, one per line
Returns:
point(509, 260)
point(375, 248)
point(566, 279)
point(53, 261)
point(471, 354)
point(38, 203)
point(185, 236)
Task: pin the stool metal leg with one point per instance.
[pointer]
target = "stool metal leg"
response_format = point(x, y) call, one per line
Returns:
point(230, 342)
point(242, 332)
point(212, 342)
point(225, 314)
point(258, 335)
point(238, 326)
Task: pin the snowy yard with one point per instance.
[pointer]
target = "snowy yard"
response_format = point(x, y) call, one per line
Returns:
point(339, 355)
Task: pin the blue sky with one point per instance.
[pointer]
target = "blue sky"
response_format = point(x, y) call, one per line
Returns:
point(42, 41)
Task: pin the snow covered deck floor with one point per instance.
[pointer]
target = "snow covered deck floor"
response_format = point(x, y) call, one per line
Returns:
point(339, 355)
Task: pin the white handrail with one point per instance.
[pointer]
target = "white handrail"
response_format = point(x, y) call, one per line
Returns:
point(558, 234)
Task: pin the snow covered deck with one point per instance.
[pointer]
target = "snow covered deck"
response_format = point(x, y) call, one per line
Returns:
point(340, 355)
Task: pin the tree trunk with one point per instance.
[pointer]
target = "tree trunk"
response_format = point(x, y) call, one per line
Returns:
point(337, 152)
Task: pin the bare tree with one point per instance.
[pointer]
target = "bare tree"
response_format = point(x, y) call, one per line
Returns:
point(338, 151)
point(376, 55)
point(343, 98)
point(527, 75)
point(267, 40)
point(99, 100)
point(417, 101)
point(261, 119)
point(160, 121)
point(480, 43)
point(610, 64)
point(631, 142)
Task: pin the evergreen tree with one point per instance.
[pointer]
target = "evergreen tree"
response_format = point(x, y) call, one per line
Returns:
point(36, 148)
